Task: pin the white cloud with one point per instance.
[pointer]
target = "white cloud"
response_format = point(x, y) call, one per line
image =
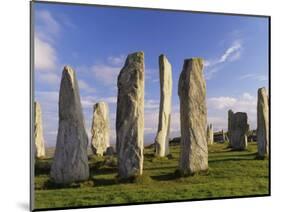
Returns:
point(116, 60)
point(257, 77)
point(44, 55)
point(48, 78)
point(106, 73)
point(89, 101)
point(109, 100)
point(231, 54)
point(218, 107)
point(219, 122)
point(221, 102)
point(85, 86)
point(47, 96)
point(47, 24)
point(151, 104)
point(209, 73)
point(46, 32)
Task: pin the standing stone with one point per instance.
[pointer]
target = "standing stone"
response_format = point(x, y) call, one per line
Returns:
point(210, 134)
point(38, 132)
point(130, 117)
point(193, 118)
point(70, 161)
point(162, 137)
point(238, 131)
point(109, 151)
point(223, 136)
point(263, 122)
point(100, 128)
point(230, 114)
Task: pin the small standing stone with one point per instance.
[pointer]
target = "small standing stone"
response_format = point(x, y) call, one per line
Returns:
point(193, 117)
point(100, 128)
point(109, 151)
point(70, 162)
point(38, 132)
point(263, 122)
point(130, 117)
point(238, 131)
point(210, 134)
point(162, 137)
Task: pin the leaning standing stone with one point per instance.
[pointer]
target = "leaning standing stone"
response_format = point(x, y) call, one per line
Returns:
point(263, 121)
point(38, 132)
point(162, 137)
point(100, 128)
point(193, 117)
point(238, 131)
point(130, 117)
point(70, 161)
point(230, 114)
point(210, 134)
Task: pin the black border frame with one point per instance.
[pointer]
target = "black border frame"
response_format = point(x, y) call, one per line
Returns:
point(31, 88)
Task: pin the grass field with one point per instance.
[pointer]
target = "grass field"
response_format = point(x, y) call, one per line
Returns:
point(231, 173)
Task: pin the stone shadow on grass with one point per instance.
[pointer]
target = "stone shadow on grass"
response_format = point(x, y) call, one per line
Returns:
point(165, 177)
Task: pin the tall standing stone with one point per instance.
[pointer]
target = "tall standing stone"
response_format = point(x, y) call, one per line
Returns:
point(193, 118)
point(263, 122)
point(210, 134)
point(230, 114)
point(130, 117)
point(238, 131)
point(162, 137)
point(70, 162)
point(38, 132)
point(100, 128)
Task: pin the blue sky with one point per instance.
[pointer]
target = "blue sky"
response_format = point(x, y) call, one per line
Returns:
point(96, 40)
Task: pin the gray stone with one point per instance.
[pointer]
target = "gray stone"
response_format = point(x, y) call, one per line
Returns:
point(109, 151)
point(262, 123)
point(162, 137)
point(100, 128)
point(70, 162)
point(210, 134)
point(193, 118)
point(130, 117)
point(238, 131)
point(38, 132)
point(230, 114)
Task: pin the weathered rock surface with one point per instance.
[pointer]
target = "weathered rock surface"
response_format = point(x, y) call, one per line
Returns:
point(210, 134)
point(70, 162)
point(130, 117)
point(238, 131)
point(162, 137)
point(38, 132)
point(109, 151)
point(100, 128)
point(193, 118)
point(230, 114)
point(262, 123)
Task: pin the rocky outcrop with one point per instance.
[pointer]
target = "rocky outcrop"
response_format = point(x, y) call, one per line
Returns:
point(210, 134)
point(38, 132)
point(130, 117)
point(262, 123)
point(100, 128)
point(238, 131)
point(70, 162)
point(162, 137)
point(193, 117)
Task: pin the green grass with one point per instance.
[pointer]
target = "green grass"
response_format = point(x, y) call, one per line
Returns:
point(231, 173)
